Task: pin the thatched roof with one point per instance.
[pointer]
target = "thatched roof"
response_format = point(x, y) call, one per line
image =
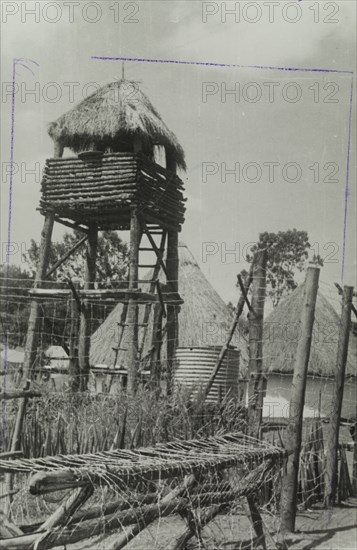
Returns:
point(112, 116)
point(282, 332)
point(204, 318)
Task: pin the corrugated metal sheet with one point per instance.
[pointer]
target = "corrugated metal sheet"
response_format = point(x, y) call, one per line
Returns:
point(195, 365)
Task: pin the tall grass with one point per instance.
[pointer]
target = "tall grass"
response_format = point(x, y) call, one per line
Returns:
point(62, 423)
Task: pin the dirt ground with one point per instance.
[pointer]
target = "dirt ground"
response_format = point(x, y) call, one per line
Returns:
point(334, 529)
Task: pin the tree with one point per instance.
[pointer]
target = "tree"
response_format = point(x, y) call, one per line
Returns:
point(288, 253)
point(112, 258)
point(111, 266)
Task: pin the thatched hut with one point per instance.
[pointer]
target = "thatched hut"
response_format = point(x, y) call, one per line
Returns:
point(11, 362)
point(282, 332)
point(204, 318)
point(281, 335)
point(116, 118)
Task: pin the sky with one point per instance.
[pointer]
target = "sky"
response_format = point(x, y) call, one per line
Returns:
point(289, 130)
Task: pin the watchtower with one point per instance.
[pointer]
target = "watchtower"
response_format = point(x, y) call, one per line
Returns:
point(114, 183)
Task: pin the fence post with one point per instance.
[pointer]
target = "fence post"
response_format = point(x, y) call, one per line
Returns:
point(132, 314)
point(74, 372)
point(294, 428)
point(334, 427)
point(85, 321)
point(256, 386)
point(354, 467)
point(172, 267)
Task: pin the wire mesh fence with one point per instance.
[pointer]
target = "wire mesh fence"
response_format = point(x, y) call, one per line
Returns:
point(61, 422)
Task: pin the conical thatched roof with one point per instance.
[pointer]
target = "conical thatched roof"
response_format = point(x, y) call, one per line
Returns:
point(111, 116)
point(282, 332)
point(204, 318)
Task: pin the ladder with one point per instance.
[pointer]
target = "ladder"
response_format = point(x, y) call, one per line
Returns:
point(150, 231)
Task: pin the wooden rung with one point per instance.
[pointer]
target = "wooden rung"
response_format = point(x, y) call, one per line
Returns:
point(146, 249)
point(147, 266)
point(137, 324)
point(118, 294)
point(18, 394)
point(120, 349)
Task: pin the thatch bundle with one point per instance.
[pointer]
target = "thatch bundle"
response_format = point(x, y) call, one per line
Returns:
point(204, 318)
point(282, 331)
point(111, 118)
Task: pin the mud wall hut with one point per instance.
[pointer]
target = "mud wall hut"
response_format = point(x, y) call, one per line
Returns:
point(281, 335)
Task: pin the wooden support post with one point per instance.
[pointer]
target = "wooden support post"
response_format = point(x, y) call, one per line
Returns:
point(74, 370)
point(85, 322)
point(336, 405)
point(256, 385)
point(354, 467)
point(31, 339)
point(253, 513)
point(132, 316)
point(294, 428)
point(32, 331)
point(156, 343)
point(172, 267)
point(58, 150)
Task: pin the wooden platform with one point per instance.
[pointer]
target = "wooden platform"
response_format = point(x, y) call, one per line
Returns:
point(101, 190)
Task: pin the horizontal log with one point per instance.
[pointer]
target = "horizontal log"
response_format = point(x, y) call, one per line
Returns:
point(11, 454)
point(48, 182)
point(154, 168)
point(18, 394)
point(90, 167)
point(207, 494)
point(120, 158)
point(117, 294)
point(160, 204)
point(73, 172)
point(88, 200)
point(95, 185)
point(98, 187)
point(158, 191)
point(47, 482)
point(159, 183)
point(145, 186)
point(98, 160)
point(161, 198)
point(84, 527)
point(126, 187)
point(164, 215)
point(89, 194)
